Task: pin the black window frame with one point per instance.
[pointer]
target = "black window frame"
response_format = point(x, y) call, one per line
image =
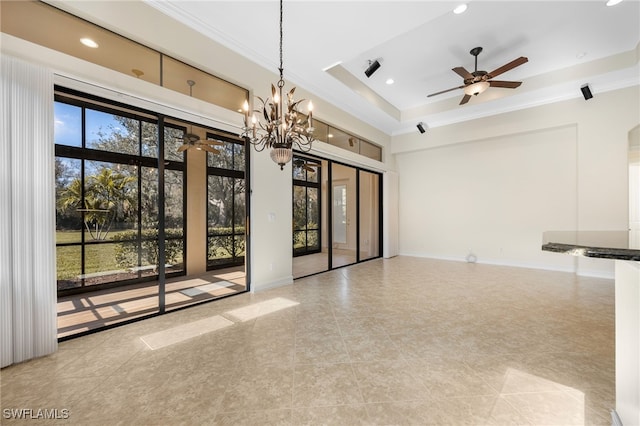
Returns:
point(82, 153)
point(235, 259)
point(306, 184)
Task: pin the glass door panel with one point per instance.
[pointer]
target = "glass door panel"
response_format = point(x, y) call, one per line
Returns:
point(225, 245)
point(343, 215)
point(369, 197)
point(336, 215)
point(310, 254)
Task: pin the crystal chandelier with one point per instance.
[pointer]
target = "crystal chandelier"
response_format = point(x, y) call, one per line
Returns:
point(281, 127)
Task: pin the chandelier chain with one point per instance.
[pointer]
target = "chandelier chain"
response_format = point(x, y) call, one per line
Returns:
point(281, 36)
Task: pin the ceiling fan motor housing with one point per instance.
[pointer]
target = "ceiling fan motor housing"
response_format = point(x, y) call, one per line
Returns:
point(477, 76)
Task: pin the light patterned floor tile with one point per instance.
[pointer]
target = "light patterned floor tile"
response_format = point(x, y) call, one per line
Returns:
point(402, 341)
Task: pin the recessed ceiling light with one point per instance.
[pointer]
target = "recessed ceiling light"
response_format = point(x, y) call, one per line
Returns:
point(462, 7)
point(330, 135)
point(88, 42)
point(390, 81)
point(613, 2)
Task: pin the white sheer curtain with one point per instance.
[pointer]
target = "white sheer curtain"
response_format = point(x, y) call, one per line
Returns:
point(27, 213)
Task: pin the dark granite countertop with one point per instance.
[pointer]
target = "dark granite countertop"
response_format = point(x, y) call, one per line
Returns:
point(621, 245)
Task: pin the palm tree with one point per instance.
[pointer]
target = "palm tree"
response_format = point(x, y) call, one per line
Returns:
point(108, 196)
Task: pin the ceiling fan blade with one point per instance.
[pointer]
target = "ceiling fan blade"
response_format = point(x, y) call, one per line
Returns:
point(209, 149)
point(505, 84)
point(462, 72)
point(212, 142)
point(183, 147)
point(506, 67)
point(465, 99)
point(445, 91)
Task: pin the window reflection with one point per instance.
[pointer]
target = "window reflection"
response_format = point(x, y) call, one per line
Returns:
point(345, 140)
point(207, 87)
point(41, 23)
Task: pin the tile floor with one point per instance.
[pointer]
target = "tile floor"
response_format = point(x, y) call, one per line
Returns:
point(400, 341)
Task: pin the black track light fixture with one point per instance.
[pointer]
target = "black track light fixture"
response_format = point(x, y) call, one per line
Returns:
point(422, 127)
point(373, 67)
point(586, 92)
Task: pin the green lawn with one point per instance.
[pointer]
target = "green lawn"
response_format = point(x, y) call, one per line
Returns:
point(102, 257)
point(99, 257)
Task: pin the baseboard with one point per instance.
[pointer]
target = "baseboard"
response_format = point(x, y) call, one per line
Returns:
point(261, 286)
point(615, 419)
point(581, 272)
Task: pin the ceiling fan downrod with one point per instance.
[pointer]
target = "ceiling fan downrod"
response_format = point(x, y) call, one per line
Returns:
point(475, 52)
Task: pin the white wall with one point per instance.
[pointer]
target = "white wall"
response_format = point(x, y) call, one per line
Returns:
point(270, 224)
point(634, 179)
point(492, 197)
point(390, 214)
point(495, 184)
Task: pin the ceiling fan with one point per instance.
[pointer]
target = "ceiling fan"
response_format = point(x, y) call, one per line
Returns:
point(191, 140)
point(306, 165)
point(477, 82)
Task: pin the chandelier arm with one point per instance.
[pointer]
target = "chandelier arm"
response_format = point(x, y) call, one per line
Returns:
point(305, 147)
point(259, 144)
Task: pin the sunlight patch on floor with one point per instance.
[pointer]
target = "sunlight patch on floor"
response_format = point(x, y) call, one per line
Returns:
point(544, 400)
point(187, 331)
point(256, 310)
point(184, 332)
point(206, 289)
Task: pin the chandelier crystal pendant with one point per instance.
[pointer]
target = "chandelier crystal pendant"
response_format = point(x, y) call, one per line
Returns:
point(281, 127)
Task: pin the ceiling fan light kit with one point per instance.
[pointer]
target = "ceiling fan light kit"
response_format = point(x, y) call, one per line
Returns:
point(476, 88)
point(478, 81)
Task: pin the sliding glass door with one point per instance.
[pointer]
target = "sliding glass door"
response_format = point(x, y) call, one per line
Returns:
point(121, 213)
point(369, 223)
point(310, 254)
point(336, 215)
point(344, 215)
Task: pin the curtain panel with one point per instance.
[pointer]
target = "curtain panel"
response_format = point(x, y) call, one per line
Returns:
point(27, 213)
